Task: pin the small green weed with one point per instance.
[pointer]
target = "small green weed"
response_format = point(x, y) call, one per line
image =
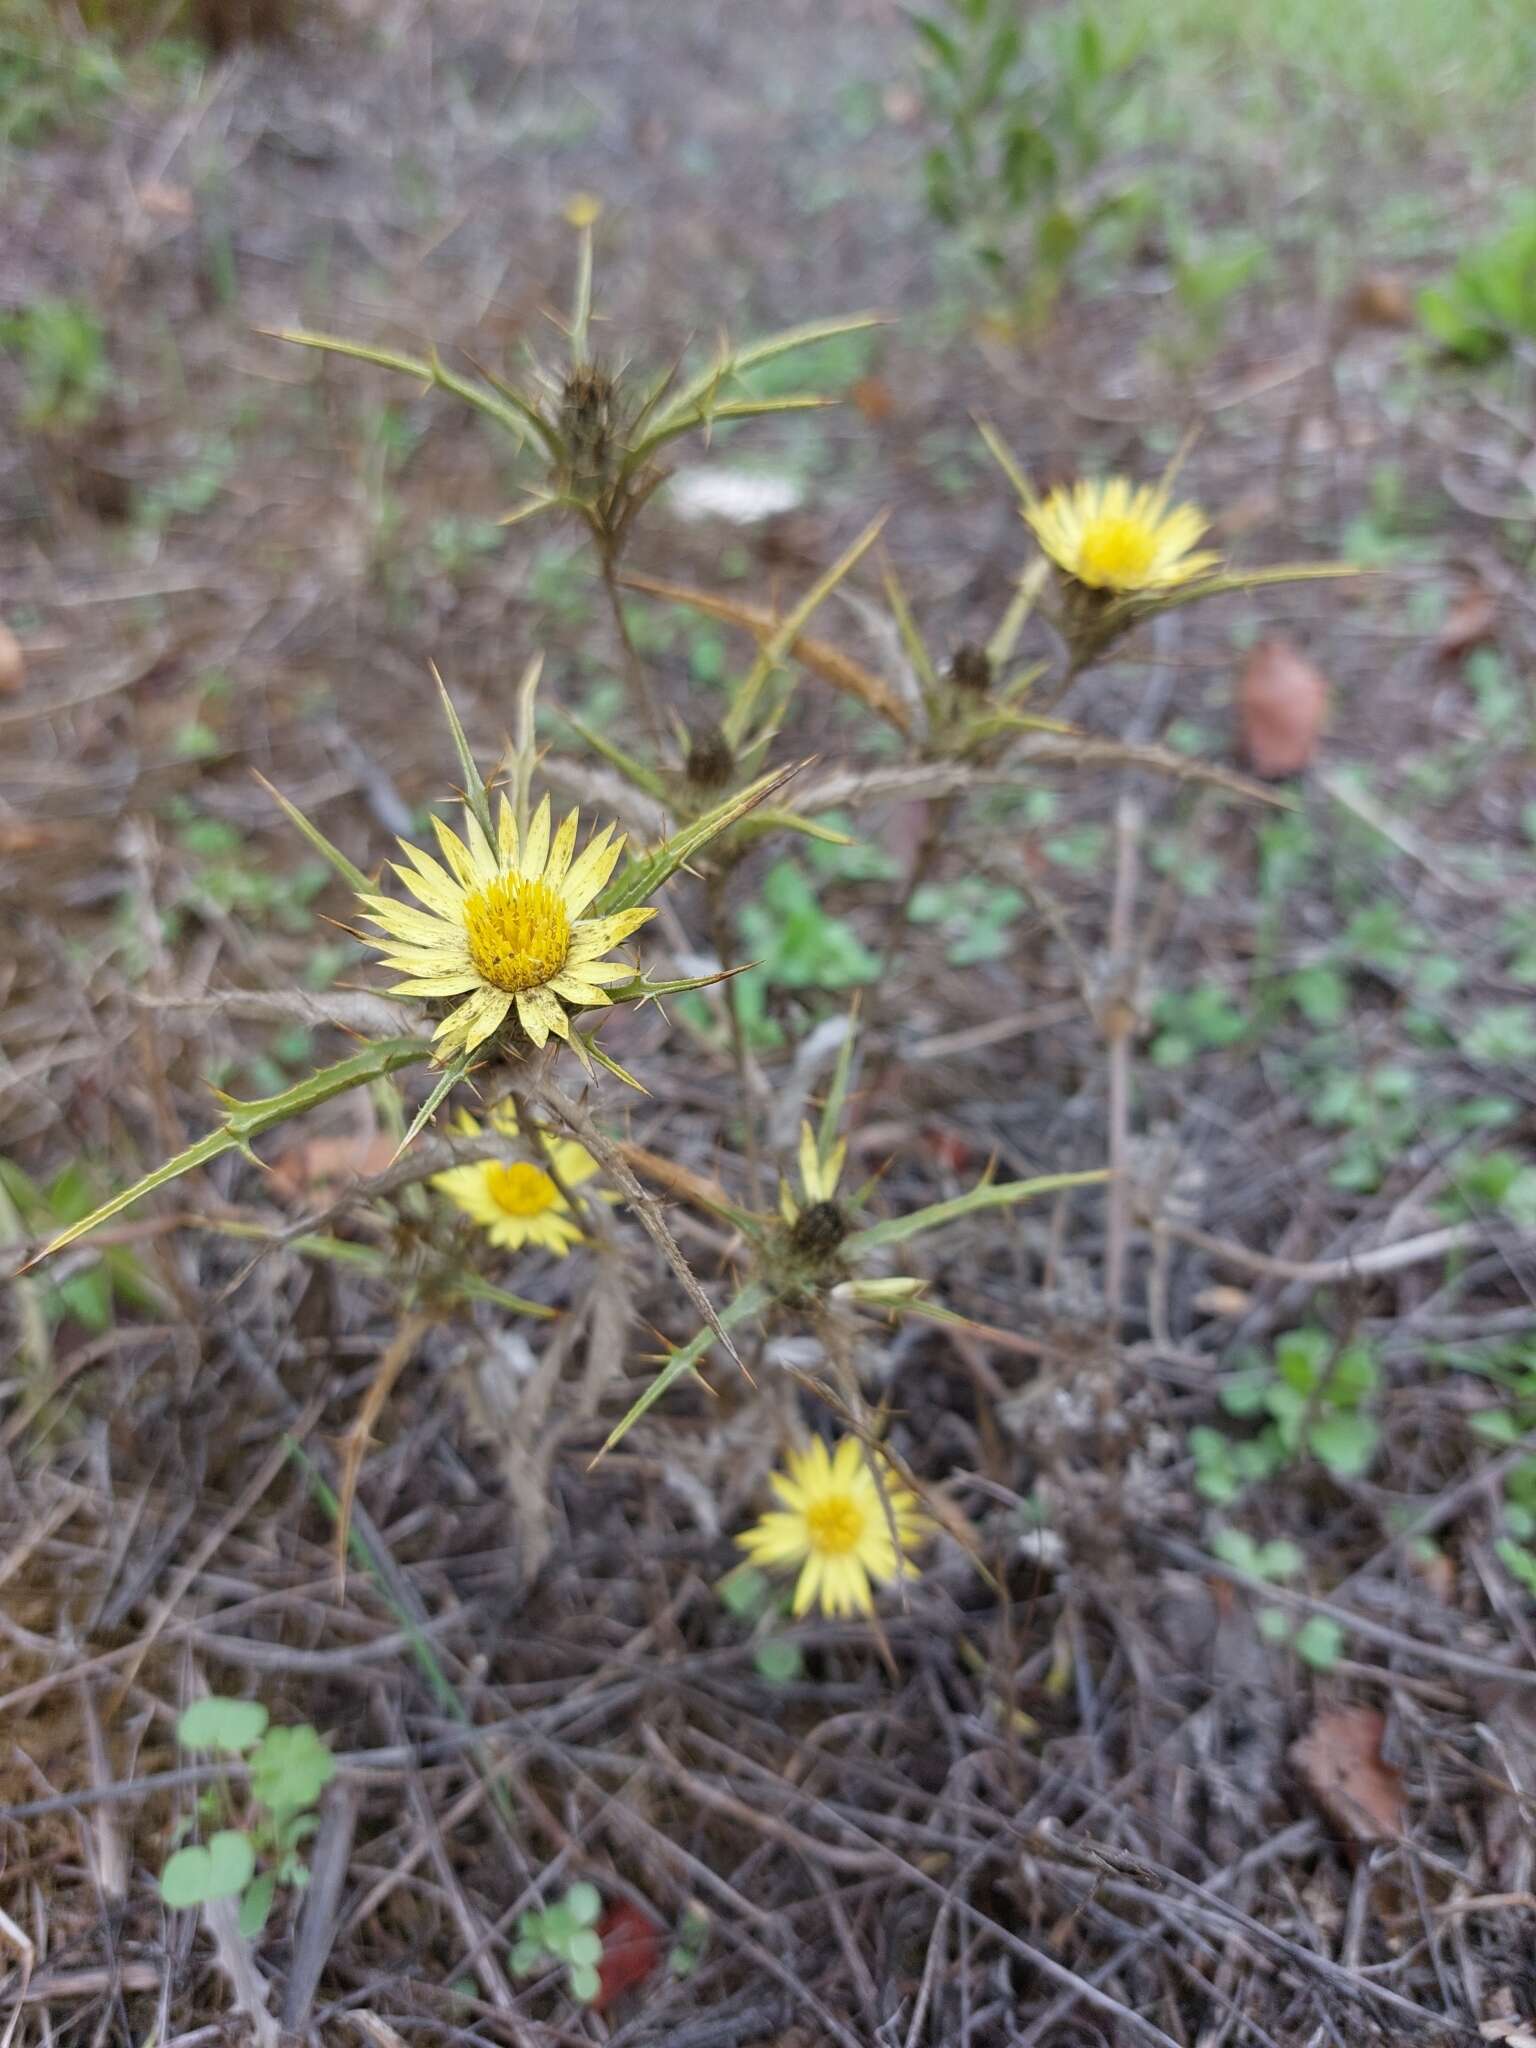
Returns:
point(564, 1935)
point(61, 348)
point(1025, 114)
point(974, 916)
point(1488, 302)
point(112, 1280)
point(49, 76)
point(1311, 1396)
point(1187, 1022)
point(259, 1847)
point(797, 945)
point(751, 1596)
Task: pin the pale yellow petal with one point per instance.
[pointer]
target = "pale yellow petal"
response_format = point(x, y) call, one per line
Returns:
point(594, 973)
point(456, 853)
point(582, 993)
point(487, 866)
point(558, 865)
point(539, 1013)
point(590, 871)
point(429, 869)
point(438, 894)
point(573, 1162)
point(506, 835)
point(475, 1019)
point(808, 1586)
point(437, 984)
point(810, 1164)
point(536, 852)
point(594, 935)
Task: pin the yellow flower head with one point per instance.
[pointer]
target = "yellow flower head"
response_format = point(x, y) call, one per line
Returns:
point(839, 1526)
point(1116, 537)
point(502, 927)
point(515, 1201)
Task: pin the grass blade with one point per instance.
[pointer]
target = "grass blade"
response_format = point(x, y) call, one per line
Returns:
point(788, 631)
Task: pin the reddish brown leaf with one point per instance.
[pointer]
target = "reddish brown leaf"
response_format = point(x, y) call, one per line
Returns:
point(13, 664)
point(1282, 706)
point(26, 835)
point(1469, 622)
point(874, 398)
point(323, 1166)
point(952, 1153)
point(1340, 1758)
point(631, 1950)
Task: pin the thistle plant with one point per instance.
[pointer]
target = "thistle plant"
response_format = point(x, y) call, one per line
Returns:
point(595, 433)
point(511, 939)
point(813, 1263)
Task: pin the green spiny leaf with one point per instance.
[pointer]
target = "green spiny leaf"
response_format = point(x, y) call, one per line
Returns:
point(641, 878)
point(474, 786)
point(751, 1299)
point(353, 876)
point(445, 1083)
point(247, 1120)
point(990, 1195)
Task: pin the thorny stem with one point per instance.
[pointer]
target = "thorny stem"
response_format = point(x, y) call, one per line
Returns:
point(723, 941)
point(940, 811)
point(634, 665)
point(1117, 1023)
point(645, 1206)
point(533, 1134)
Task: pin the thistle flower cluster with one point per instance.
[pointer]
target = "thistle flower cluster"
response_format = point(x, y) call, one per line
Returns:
point(512, 938)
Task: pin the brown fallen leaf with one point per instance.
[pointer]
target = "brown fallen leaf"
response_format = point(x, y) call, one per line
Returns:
point(1222, 1300)
point(1381, 299)
point(325, 1165)
point(166, 202)
point(1469, 622)
point(1340, 1758)
point(13, 663)
point(26, 835)
point(1282, 707)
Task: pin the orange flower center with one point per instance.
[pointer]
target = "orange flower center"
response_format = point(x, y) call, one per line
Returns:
point(519, 933)
point(835, 1526)
point(520, 1189)
point(1116, 553)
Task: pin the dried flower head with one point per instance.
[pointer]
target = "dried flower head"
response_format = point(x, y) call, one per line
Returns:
point(970, 668)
